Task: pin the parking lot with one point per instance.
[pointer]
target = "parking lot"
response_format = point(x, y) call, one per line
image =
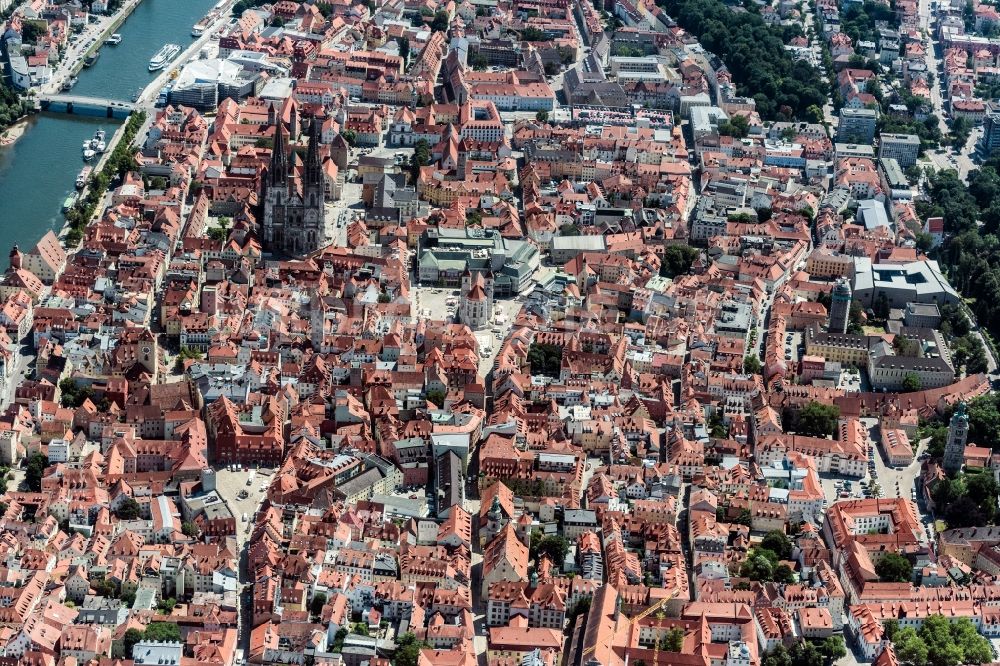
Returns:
point(891, 482)
point(793, 346)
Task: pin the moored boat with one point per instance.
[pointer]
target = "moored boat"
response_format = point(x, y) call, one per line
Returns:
point(81, 179)
point(163, 56)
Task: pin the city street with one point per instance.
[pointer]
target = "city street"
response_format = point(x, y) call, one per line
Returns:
point(946, 157)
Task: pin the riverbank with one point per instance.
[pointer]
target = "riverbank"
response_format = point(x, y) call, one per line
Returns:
point(89, 41)
point(116, 162)
point(38, 173)
point(14, 132)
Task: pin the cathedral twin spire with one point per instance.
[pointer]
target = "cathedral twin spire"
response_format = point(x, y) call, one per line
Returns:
point(278, 170)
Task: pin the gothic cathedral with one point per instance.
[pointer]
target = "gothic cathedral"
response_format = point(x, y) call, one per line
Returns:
point(293, 222)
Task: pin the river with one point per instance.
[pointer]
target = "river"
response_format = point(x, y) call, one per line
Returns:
point(39, 170)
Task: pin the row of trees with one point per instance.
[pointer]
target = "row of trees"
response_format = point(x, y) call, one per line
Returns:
point(156, 631)
point(971, 256)
point(783, 88)
point(939, 642)
point(807, 653)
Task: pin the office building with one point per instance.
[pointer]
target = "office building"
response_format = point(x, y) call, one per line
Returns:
point(857, 126)
point(991, 130)
point(904, 148)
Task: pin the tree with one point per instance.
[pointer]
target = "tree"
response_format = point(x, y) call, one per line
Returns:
point(440, 22)
point(189, 529)
point(436, 396)
point(338, 640)
point(162, 631)
point(761, 565)
point(545, 359)
point(806, 653)
point(554, 546)
point(129, 509)
point(677, 260)
point(856, 318)
point(579, 608)
point(166, 605)
point(777, 657)
point(717, 429)
point(950, 644)
point(350, 136)
point(73, 395)
point(32, 30)
point(778, 543)
point(982, 489)
point(911, 382)
point(317, 603)
point(218, 234)
point(755, 54)
point(833, 648)
point(751, 364)
point(673, 640)
point(34, 470)
point(818, 419)
point(968, 500)
point(542, 116)
point(408, 650)
point(738, 126)
point(404, 48)
point(910, 649)
point(421, 157)
point(968, 350)
point(814, 113)
point(940, 642)
point(960, 130)
point(360, 628)
point(894, 568)
point(532, 34)
point(784, 574)
point(479, 61)
point(131, 637)
point(569, 229)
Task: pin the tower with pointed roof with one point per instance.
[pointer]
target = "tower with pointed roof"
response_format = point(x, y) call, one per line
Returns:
point(475, 307)
point(293, 221)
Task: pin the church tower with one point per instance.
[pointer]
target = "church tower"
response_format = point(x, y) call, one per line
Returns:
point(958, 434)
point(476, 301)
